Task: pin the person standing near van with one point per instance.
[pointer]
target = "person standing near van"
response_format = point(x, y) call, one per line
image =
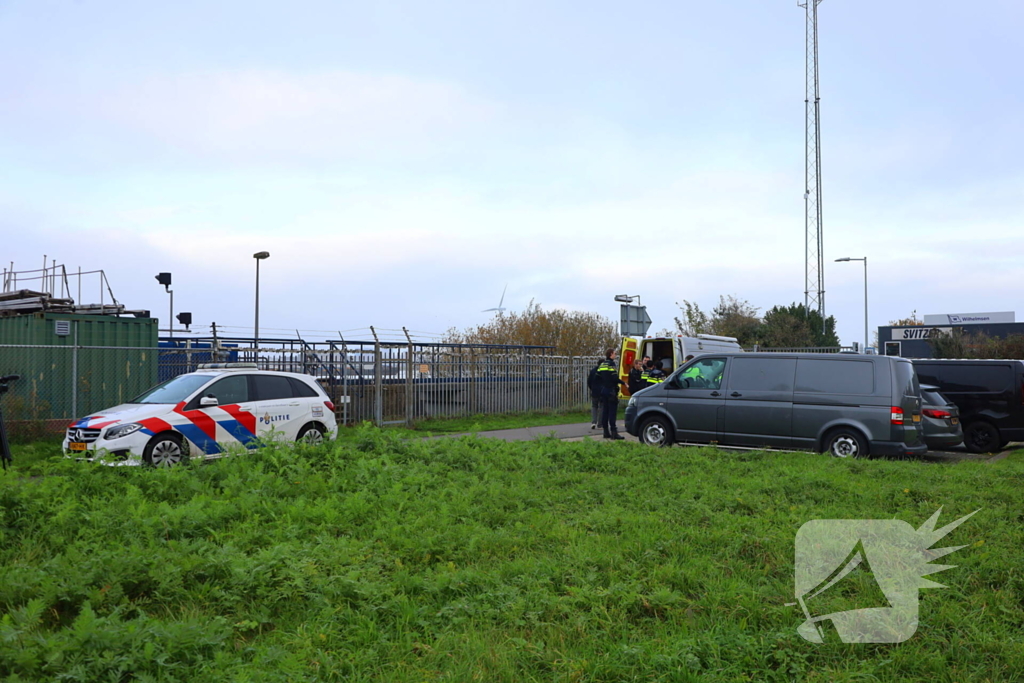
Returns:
point(637, 379)
point(609, 381)
point(646, 372)
point(594, 387)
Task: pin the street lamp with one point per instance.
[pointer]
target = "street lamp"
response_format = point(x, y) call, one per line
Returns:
point(165, 280)
point(865, 260)
point(259, 256)
point(627, 299)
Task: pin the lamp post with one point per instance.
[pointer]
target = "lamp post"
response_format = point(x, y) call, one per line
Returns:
point(865, 260)
point(627, 299)
point(259, 256)
point(165, 280)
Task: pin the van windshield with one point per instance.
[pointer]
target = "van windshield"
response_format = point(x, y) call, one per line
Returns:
point(173, 390)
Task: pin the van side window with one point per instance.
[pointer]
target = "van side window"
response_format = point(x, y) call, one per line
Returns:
point(973, 378)
point(762, 374)
point(835, 376)
point(705, 373)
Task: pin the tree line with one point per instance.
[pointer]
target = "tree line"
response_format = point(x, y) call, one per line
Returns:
point(792, 326)
point(581, 333)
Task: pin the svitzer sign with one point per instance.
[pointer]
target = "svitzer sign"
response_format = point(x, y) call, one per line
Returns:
point(919, 332)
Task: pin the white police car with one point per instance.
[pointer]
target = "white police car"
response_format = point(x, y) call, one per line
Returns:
point(204, 413)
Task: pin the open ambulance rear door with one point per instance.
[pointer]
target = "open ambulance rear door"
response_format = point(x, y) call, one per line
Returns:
point(627, 354)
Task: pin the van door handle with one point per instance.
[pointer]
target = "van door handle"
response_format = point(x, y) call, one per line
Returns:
point(735, 393)
point(715, 393)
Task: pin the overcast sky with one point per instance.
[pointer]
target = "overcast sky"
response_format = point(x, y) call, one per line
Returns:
point(402, 161)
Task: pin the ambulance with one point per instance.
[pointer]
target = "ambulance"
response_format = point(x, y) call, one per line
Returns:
point(668, 353)
point(204, 414)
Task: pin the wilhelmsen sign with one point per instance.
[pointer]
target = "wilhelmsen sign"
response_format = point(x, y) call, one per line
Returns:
point(970, 318)
point(919, 332)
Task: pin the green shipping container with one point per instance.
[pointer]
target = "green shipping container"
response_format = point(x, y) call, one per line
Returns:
point(74, 365)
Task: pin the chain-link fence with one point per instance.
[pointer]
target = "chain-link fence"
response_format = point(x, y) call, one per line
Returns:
point(59, 383)
point(385, 383)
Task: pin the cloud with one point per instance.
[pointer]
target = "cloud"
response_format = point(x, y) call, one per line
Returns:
point(250, 115)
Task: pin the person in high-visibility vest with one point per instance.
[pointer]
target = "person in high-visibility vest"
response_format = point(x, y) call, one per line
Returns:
point(645, 375)
point(693, 371)
point(609, 381)
point(637, 379)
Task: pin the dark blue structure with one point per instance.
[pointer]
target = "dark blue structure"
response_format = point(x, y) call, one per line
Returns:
point(912, 341)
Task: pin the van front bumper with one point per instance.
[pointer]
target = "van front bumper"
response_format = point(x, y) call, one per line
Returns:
point(897, 448)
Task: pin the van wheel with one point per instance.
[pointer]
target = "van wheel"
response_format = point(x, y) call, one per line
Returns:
point(981, 437)
point(311, 435)
point(656, 431)
point(846, 443)
point(165, 450)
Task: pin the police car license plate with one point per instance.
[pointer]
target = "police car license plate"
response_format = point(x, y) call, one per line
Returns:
point(955, 420)
point(917, 418)
point(76, 446)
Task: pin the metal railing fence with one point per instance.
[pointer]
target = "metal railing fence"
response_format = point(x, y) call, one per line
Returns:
point(391, 382)
point(381, 382)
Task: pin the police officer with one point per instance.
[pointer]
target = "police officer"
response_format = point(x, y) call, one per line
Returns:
point(608, 380)
point(646, 373)
point(594, 389)
point(637, 378)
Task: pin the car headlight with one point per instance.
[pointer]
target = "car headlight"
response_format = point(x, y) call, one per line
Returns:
point(632, 401)
point(118, 431)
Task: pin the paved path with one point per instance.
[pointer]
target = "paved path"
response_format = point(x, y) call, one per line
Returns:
point(569, 432)
point(583, 432)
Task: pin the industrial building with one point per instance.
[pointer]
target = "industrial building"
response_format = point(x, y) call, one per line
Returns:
point(912, 341)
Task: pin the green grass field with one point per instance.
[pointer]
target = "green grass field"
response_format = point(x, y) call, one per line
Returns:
point(385, 559)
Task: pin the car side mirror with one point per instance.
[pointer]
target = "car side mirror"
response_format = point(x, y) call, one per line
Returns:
point(207, 401)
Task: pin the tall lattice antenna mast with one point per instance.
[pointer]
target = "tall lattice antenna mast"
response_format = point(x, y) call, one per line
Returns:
point(814, 269)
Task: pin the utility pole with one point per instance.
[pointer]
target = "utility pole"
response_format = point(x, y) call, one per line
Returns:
point(814, 268)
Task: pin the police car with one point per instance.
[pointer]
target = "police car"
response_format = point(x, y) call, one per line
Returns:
point(203, 414)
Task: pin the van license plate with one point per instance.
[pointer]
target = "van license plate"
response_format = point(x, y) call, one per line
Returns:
point(955, 420)
point(76, 446)
point(917, 418)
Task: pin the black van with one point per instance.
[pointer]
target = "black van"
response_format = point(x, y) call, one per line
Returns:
point(849, 405)
point(989, 393)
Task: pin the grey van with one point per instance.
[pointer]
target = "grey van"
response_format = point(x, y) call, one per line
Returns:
point(849, 405)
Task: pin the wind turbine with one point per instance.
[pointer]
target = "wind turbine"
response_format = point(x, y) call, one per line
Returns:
point(499, 309)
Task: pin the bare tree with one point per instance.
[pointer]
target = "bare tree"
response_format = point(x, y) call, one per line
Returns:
point(570, 333)
point(693, 321)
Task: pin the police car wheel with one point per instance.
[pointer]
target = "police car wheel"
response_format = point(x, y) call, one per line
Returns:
point(165, 450)
point(846, 443)
point(656, 431)
point(311, 435)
